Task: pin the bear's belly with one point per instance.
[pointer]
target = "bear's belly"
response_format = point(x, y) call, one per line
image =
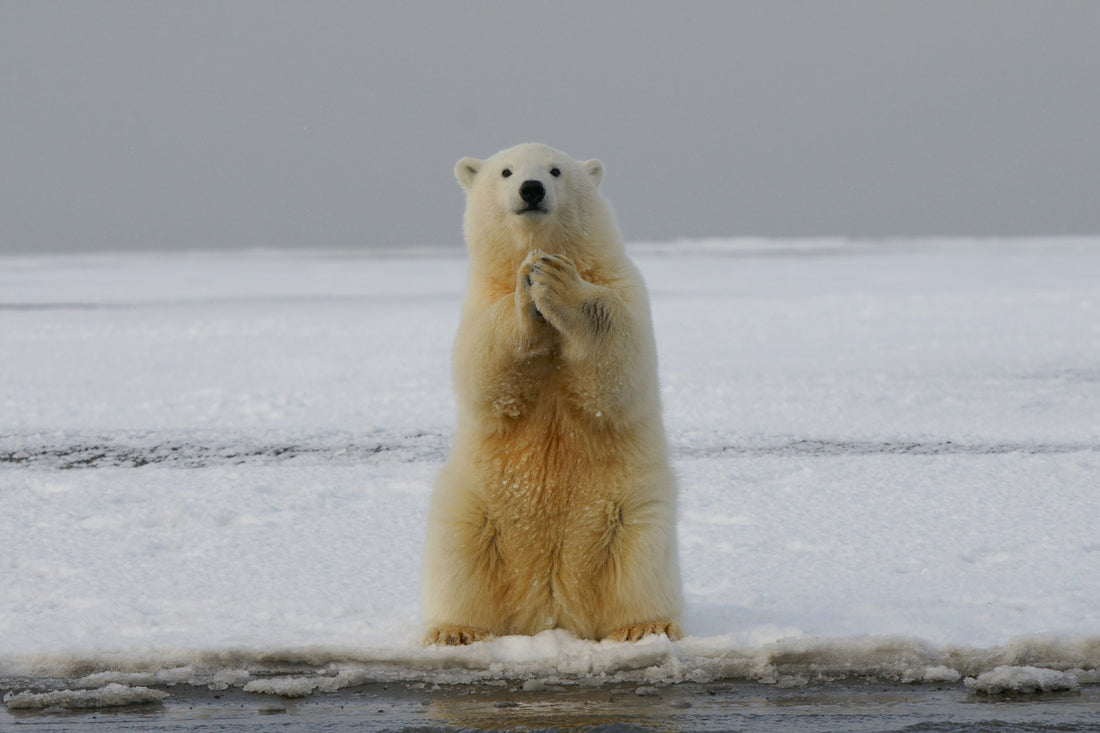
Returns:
point(552, 458)
point(554, 492)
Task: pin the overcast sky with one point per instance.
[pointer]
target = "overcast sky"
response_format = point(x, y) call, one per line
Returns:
point(202, 125)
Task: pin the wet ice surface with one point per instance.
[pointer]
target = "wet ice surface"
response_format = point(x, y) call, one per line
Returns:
point(858, 706)
point(214, 469)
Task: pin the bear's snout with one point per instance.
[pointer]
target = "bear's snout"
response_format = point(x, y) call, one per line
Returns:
point(532, 192)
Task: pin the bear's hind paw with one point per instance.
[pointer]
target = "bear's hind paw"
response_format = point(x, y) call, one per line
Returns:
point(634, 632)
point(454, 635)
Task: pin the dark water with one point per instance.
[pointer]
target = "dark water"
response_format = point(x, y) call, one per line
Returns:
point(687, 707)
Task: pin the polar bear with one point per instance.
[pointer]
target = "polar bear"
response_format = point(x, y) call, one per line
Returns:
point(557, 506)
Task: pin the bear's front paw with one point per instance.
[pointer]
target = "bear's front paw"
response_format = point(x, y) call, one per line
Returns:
point(455, 635)
point(634, 632)
point(555, 284)
point(524, 302)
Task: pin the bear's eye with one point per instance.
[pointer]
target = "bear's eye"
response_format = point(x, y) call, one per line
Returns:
point(555, 172)
point(506, 172)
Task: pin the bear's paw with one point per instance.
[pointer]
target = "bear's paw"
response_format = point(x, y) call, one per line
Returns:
point(455, 635)
point(634, 632)
point(553, 279)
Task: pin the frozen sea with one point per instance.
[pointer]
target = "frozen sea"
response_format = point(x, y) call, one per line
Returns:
point(215, 469)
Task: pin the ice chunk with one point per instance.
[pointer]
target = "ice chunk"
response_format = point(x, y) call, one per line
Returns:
point(110, 696)
point(1022, 679)
point(941, 673)
point(283, 686)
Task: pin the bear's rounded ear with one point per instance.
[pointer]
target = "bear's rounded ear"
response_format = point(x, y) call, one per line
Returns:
point(595, 169)
point(465, 171)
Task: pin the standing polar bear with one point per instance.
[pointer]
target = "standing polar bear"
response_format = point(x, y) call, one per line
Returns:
point(557, 506)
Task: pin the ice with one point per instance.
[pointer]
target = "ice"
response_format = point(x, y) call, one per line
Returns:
point(110, 696)
point(214, 468)
point(1022, 679)
point(300, 686)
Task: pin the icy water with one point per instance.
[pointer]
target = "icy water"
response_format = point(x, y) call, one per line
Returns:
point(859, 706)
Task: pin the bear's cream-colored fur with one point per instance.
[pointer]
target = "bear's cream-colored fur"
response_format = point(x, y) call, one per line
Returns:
point(557, 506)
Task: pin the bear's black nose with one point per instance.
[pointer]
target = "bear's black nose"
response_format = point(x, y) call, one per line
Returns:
point(532, 192)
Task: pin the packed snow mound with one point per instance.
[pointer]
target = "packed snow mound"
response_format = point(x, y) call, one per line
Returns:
point(1023, 680)
point(112, 695)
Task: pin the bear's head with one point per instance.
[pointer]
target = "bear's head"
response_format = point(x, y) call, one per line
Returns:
point(530, 196)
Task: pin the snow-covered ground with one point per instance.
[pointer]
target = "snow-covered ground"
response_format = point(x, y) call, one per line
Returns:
point(215, 468)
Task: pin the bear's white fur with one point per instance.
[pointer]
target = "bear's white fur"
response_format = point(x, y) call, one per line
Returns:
point(557, 506)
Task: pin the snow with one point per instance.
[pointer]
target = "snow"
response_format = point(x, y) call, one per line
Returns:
point(214, 468)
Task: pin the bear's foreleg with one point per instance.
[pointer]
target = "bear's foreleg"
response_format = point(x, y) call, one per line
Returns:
point(600, 336)
point(501, 354)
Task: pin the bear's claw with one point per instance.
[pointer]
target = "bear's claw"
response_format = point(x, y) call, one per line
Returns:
point(454, 635)
point(634, 632)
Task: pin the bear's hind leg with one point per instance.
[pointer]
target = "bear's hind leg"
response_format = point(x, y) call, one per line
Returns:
point(629, 587)
point(467, 584)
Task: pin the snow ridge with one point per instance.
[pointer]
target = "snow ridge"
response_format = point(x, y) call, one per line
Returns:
point(188, 450)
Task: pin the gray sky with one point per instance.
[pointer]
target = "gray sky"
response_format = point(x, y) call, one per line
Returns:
point(202, 125)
